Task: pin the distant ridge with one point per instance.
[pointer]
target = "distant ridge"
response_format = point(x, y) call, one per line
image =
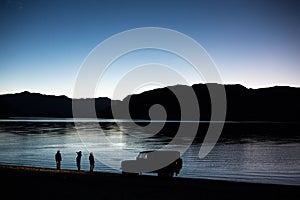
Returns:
point(274, 104)
point(26, 104)
point(277, 104)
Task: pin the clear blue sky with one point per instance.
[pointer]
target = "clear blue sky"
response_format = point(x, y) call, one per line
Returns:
point(43, 43)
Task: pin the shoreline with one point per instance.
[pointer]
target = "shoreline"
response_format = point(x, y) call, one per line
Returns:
point(43, 183)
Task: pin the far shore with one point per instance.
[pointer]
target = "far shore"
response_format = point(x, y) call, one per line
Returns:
point(44, 183)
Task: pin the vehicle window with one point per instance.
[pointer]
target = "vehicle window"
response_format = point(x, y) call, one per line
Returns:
point(143, 156)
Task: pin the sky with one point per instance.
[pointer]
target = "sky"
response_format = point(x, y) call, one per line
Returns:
point(44, 43)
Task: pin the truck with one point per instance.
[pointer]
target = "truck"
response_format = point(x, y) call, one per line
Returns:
point(164, 163)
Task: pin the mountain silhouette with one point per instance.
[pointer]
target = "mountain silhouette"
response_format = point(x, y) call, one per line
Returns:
point(271, 112)
point(266, 112)
point(26, 104)
point(274, 104)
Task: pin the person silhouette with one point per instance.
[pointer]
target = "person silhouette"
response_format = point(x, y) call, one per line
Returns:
point(92, 162)
point(78, 160)
point(58, 159)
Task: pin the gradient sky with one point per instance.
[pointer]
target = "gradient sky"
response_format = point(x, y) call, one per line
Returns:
point(44, 43)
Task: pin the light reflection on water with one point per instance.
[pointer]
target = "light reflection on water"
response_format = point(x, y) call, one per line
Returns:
point(34, 143)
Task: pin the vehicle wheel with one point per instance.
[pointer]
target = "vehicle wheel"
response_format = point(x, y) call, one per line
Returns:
point(170, 174)
point(161, 174)
point(166, 174)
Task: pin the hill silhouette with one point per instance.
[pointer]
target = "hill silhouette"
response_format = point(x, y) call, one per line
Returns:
point(275, 104)
point(267, 112)
point(26, 104)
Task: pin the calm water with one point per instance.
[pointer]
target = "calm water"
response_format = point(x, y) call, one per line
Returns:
point(34, 142)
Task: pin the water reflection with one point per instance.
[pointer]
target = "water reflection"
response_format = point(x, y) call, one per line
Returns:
point(27, 128)
point(253, 159)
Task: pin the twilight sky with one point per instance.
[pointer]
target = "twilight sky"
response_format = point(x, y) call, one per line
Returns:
point(44, 43)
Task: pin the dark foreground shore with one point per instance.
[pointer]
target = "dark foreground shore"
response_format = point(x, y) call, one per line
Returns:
point(39, 183)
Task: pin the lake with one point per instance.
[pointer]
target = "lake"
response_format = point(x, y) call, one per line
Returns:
point(34, 142)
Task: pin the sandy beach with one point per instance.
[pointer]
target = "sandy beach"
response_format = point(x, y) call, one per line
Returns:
point(19, 182)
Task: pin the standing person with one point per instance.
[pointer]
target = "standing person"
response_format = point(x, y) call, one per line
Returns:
point(58, 159)
point(78, 159)
point(92, 162)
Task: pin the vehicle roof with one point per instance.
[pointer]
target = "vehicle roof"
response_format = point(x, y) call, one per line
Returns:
point(149, 151)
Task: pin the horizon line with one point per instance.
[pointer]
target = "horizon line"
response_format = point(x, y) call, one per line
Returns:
point(63, 95)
